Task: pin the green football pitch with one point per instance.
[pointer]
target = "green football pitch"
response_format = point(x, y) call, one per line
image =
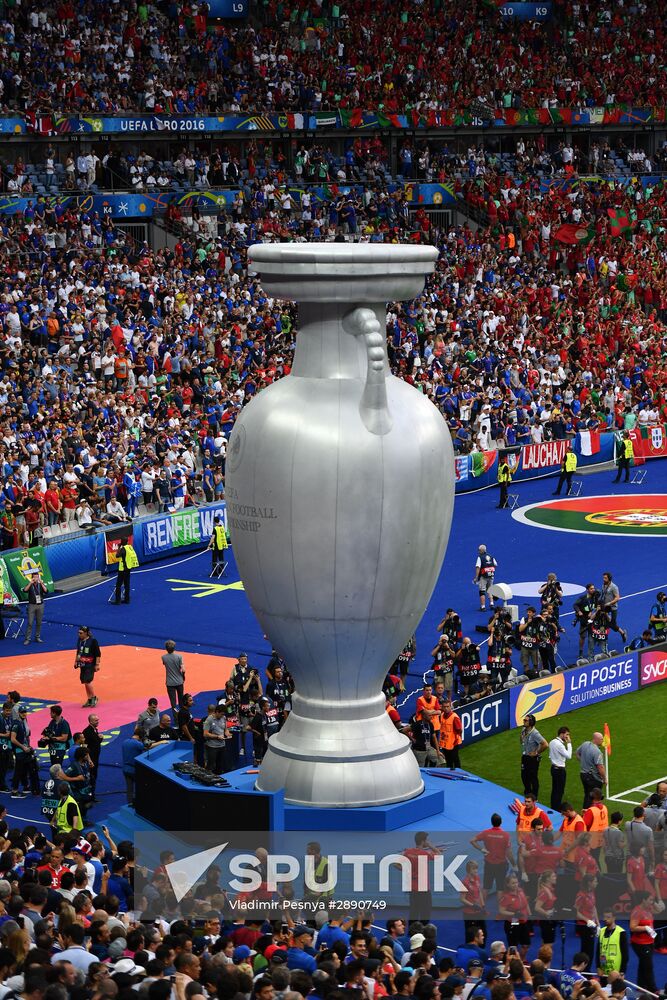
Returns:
point(638, 758)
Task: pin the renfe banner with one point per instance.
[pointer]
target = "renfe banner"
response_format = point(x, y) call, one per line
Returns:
point(653, 665)
point(576, 688)
point(184, 527)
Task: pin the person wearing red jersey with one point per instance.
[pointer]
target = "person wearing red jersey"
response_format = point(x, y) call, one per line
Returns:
point(642, 937)
point(528, 853)
point(635, 867)
point(514, 909)
point(587, 915)
point(55, 867)
point(421, 901)
point(545, 905)
point(582, 859)
point(660, 876)
point(473, 899)
point(496, 846)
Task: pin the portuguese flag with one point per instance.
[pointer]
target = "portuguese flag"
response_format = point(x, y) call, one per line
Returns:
point(384, 121)
point(351, 119)
point(620, 221)
point(482, 462)
point(573, 234)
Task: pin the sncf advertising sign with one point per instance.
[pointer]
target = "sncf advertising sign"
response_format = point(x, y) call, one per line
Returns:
point(653, 665)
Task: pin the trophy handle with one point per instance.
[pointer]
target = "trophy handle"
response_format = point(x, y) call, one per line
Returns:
point(373, 408)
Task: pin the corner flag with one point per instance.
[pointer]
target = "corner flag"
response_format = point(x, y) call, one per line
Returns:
point(606, 743)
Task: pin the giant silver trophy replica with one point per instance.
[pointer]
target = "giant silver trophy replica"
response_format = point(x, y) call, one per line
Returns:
point(340, 489)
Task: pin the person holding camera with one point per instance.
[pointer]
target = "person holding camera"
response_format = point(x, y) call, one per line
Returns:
point(25, 766)
point(248, 686)
point(57, 736)
point(501, 641)
point(443, 663)
point(530, 628)
point(584, 608)
point(548, 639)
point(598, 628)
point(551, 593)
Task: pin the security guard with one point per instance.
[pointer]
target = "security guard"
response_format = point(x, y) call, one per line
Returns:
point(658, 620)
point(567, 470)
point(218, 544)
point(504, 479)
point(68, 814)
point(626, 454)
point(127, 560)
point(320, 875)
point(612, 946)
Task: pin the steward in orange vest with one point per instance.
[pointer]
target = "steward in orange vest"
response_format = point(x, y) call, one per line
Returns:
point(570, 828)
point(451, 735)
point(528, 812)
point(596, 819)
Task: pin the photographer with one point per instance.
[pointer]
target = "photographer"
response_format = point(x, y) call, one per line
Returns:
point(469, 666)
point(501, 638)
point(548, 639)
point(530, 628)
point(57, 736)
point(25, 768)
point(584, 608)
point(599, 629)
point(247, 685)
point(79, 779)
point(444, 657)
point(551, 593)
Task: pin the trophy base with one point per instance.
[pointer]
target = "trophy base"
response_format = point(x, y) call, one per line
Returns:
point(338, 763)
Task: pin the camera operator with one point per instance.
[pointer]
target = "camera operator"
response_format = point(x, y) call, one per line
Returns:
point(444, 658)
point(530, 628)
point(248, 686)
point(501, 637)
point(548, 639)
point(599, 630)
point(451, 627)
point(551, 593)
point(25, 768)
point(584, 608)
point(57, 736)
point(468, 663)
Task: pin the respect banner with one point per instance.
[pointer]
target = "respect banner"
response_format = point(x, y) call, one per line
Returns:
point(22, 564)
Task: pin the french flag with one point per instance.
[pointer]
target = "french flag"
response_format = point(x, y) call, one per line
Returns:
point(589, 442)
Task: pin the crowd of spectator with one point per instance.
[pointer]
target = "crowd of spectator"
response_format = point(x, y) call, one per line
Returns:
point(123, 368)
point(144, 57)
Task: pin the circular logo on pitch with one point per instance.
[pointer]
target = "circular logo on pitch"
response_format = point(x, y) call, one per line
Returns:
point(640, 515)
point(542, 698)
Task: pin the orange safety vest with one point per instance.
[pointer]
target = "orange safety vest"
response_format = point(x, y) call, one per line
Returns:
point(600, 824)
point(120, 368)
point(524, 819)
point(570, 835)
point(449, 737)
point(432, 705)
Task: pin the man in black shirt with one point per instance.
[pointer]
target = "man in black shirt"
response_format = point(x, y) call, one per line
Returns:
point(162, 733)
point(5, 743)
point(186, 725)
point(93, 741)
point(87, 662)
point(264, 724)
point(424, 743)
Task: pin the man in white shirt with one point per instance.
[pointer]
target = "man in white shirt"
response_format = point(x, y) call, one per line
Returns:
point(560, 751)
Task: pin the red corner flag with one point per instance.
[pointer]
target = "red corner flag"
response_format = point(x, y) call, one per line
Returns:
point(606, 743)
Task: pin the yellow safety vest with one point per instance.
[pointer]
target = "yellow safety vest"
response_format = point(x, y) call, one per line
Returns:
point(610, 950)
point(220, 537)
point(504, 473)
point(319, 873)
point(61, 815)
point(130, 561)
point(628, 450)
point(570, 462)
